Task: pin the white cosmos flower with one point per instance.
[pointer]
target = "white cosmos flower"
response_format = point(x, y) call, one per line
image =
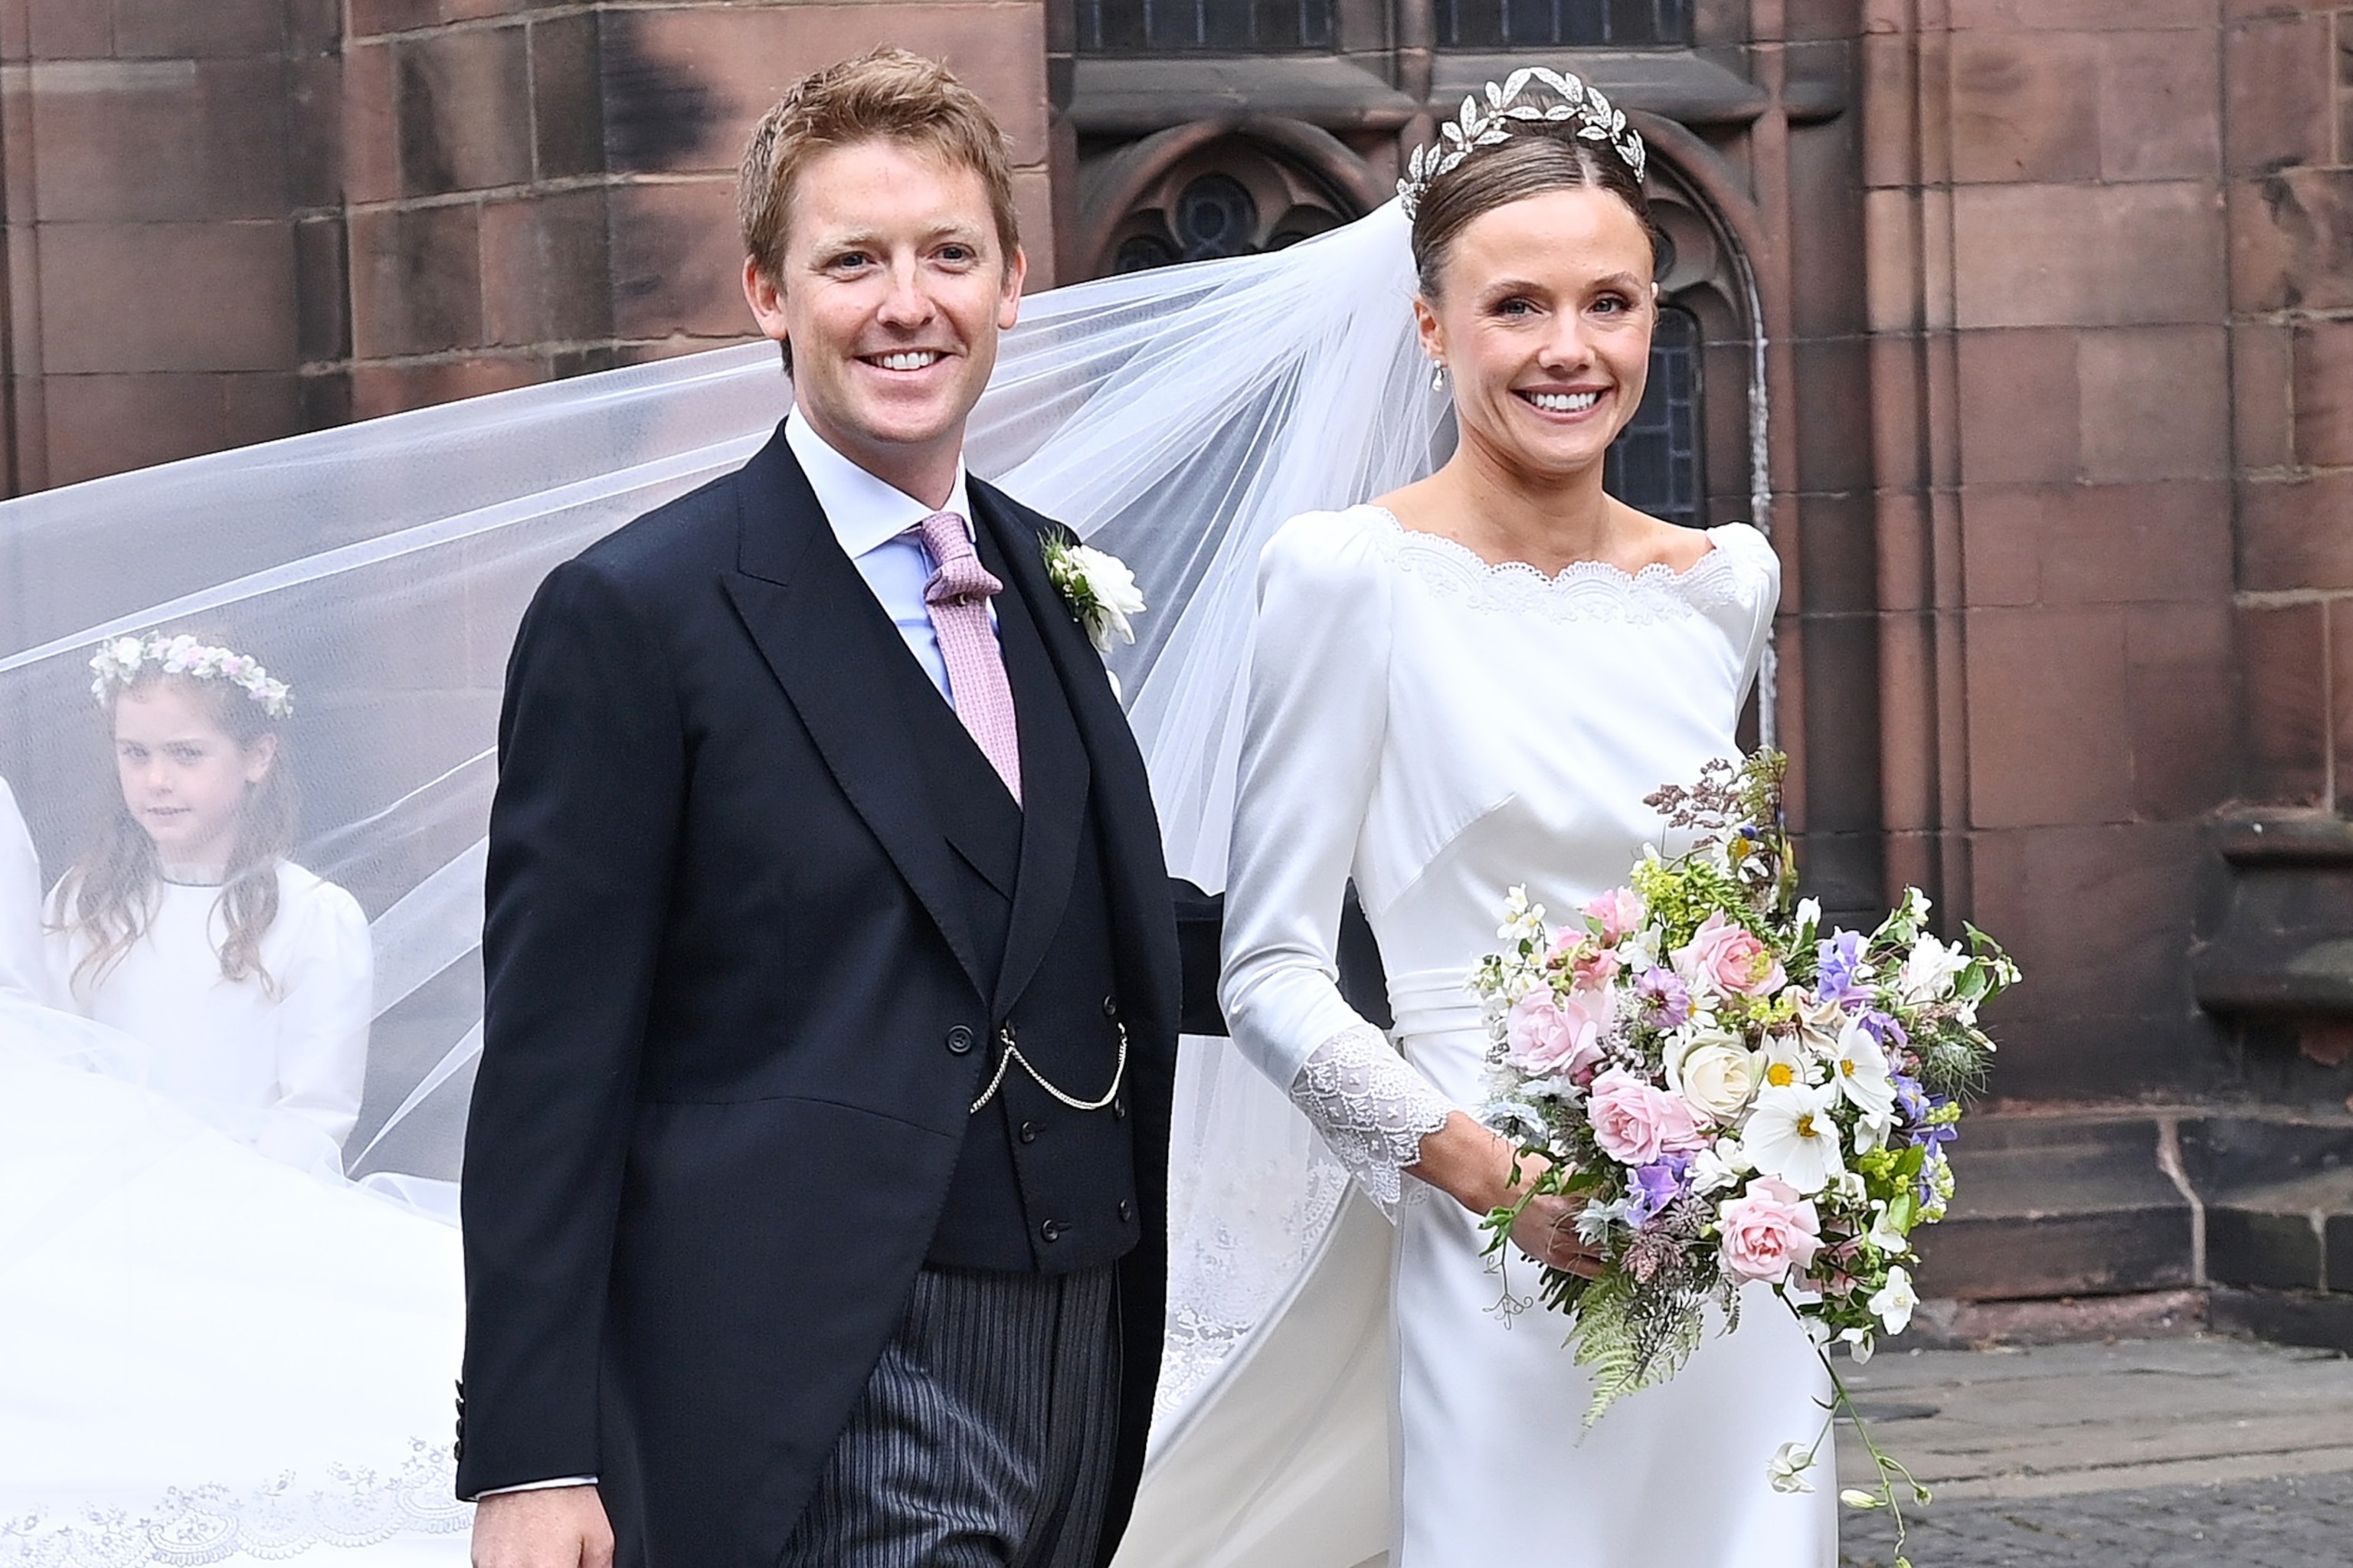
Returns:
point(1810, 917)
point(1787, 1063)
point(1928, 971)
point(1860, 1070)
point(1895, 1300)
point(1792, 1135)
point(1787, 1469)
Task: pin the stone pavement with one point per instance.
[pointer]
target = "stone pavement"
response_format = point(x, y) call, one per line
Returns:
point(2187, 1453)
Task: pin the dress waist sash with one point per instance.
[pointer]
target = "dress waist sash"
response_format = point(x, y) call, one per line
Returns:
point(1435, 1001)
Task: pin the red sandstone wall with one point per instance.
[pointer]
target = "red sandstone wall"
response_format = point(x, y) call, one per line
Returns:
point(2289, 75)
point(535, 190)
point(159, 158)
point(2050, 284)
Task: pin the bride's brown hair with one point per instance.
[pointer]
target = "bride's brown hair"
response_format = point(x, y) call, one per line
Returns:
point(1534, 160)
point(110, 895)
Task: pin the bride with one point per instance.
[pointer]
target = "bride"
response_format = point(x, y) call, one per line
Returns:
point(244, 1361)
point(1469, 684)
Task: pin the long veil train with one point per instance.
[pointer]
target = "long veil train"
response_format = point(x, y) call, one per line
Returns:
point(1174, 417)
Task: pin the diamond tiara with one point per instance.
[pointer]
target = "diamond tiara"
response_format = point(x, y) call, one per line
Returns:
point(1491, 124)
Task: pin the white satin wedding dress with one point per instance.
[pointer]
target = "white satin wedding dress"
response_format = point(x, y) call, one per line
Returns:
point(1438, 729)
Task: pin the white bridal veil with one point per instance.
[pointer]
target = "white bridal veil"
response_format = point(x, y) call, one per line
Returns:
point(1174, 417)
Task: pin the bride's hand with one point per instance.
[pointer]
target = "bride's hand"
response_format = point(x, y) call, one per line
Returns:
point(1547, 1230)
point(1474, 1166)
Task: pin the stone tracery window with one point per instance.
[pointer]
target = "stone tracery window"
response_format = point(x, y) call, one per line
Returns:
point(1180, 26)
point(1654, 464)
point(1553, 23)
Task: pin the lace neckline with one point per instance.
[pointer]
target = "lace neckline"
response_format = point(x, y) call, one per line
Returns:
point(1656, 572)
point(1582, 590)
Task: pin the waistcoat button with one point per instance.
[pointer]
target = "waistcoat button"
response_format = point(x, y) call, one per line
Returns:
point(1110, 1008)
point(1051, 1230)
point(1029, 1131)
point(960, 1039)
point(1126, 1210)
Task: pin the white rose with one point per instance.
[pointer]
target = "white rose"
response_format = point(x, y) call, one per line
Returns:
point(1717, 1077)
point(1115, 594)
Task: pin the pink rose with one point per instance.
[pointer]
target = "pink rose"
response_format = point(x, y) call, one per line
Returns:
point(1769, 1231)
point(1595, 970)
point(1635, 1122)
point(1618, 913)
point(1729, 958)
point(1547, 1035)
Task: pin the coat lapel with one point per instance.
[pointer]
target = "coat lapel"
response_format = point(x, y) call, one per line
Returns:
point(826, 639)
point(1054, 765)
point(1120, 789)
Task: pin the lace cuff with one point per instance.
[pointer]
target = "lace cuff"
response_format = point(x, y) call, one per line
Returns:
point(1371, 1107)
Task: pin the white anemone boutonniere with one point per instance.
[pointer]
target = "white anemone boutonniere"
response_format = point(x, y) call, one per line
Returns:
point(1099, 587)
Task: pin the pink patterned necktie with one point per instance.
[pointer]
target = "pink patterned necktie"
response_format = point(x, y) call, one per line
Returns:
point(958, 595)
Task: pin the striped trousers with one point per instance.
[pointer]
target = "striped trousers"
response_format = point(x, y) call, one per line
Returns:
point(984, 1437)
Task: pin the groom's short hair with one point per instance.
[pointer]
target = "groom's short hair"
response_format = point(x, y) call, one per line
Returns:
point(889, 95)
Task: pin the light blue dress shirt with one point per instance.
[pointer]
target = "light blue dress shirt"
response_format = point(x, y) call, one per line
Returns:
point(870, 519)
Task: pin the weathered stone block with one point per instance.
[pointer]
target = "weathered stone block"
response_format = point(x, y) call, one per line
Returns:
point(94, 277)
point(2182, 688)
point(678, 262)
point(2283, 664)
point(2324, 395)
point(2280, 109)
point(415, 281)
point(2045, 751)
point(2054, 255)
point(2261, 373)
point(2292, 240)
point(2285, 1318)
point(465, 110)
point(2057, 1207)
point(2020, 114)
point(546, 269)
point(2297, 533)
point(2250, 1246)
point(2152, 402)
point(2160, 105)
point(2020, 407)
point(132, 140)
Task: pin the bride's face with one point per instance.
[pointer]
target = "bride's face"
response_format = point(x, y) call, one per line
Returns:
point(1544, 326)
point(183, 777)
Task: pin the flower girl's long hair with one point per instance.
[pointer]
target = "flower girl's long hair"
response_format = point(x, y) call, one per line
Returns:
point(110, 893)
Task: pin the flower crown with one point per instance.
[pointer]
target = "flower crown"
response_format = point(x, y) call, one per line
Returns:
point(119, 663)
point(1490, 125)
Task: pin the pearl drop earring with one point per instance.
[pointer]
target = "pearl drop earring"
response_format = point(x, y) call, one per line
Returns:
point(1438, 375)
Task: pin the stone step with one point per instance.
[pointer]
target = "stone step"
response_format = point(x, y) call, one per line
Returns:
point(2060, 1206)
point(2110, 1203)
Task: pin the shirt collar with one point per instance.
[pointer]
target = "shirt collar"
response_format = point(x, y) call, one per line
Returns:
point(866, 512)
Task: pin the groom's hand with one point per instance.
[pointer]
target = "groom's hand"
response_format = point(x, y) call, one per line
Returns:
point(556, 1526)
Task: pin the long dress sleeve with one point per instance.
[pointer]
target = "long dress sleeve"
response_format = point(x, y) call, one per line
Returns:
point(23, 966)
point(1312, 733)
point(324, 1014)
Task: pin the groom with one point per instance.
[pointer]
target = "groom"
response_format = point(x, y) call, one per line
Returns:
point(814, 1185)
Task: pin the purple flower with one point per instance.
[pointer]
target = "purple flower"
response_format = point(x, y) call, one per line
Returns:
point(1885, 1030)
point(1839, 962)
point(1910, 1097)
point(1656, 1185)
point(1666, 1002)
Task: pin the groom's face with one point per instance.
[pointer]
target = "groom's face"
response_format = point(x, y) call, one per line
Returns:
point(894, 287)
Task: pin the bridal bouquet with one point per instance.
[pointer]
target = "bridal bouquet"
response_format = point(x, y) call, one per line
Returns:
point(1736, 1094)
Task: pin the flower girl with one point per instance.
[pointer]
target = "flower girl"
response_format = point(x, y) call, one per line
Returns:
point(185, 926)
point(20, 906)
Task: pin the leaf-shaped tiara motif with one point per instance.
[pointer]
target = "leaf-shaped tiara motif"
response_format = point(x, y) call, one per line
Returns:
point(1488, 125)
